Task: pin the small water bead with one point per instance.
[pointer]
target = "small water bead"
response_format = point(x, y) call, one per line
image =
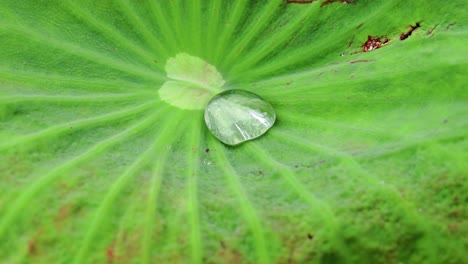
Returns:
point(235, 116)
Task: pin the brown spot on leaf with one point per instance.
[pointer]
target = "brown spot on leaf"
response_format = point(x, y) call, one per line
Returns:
point(63, 213)
point(358, 61)
point(351, 42)
point(110, 254)
point(32, 248)
point(454, 213)
point(229, 255)
point(452, 227)
point(310, 236)
point(301, 2)
point(222, 244)
point(207, 150)
point(374, 42)
point(360, 25)
point(429, 31)
point(405, 35)
point(450, 25)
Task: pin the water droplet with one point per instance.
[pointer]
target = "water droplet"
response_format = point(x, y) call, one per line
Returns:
point(235, 116)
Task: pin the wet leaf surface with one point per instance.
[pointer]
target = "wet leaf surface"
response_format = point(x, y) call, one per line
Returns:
point(366, 162)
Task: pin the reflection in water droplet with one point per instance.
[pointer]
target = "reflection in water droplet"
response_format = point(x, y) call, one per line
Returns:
point(235, 116)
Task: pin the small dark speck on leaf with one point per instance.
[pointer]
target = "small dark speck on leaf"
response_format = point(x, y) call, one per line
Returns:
point(360, 25)
point(207, 150)
point(310, 236)
point(405, 35)
point(260, 173)
point(445, 121)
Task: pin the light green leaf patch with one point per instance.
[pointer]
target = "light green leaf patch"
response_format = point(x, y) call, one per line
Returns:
point(193, 82)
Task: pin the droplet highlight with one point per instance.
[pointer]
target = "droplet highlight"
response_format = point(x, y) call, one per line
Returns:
point(236, 116)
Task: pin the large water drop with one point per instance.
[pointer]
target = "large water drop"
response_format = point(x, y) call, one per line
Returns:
point(235, 116)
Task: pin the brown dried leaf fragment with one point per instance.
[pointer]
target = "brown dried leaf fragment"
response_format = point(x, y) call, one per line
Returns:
point(374, 42)
point(405, 35)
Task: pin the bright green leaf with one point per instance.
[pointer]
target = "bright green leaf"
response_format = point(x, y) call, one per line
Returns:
point(105, 157)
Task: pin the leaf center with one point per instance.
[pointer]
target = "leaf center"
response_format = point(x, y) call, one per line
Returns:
point(192, 82)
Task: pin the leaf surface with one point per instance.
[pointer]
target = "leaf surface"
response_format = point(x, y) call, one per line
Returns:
point(366, 162)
